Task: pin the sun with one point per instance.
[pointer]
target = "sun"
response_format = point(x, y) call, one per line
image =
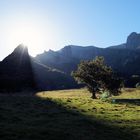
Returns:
point(30, 34)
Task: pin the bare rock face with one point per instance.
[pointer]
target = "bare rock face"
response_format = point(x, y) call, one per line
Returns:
point(133, 41)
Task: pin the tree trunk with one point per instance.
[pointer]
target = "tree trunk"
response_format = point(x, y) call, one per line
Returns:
point(93, 96)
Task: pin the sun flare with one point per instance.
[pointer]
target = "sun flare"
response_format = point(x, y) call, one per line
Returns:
point(31, 35)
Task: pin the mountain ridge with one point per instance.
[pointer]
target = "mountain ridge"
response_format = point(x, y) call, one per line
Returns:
point(52, 69)
point(19, 71)
point(124, 59)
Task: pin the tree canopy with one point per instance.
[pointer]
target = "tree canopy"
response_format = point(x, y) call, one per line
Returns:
point(97, 76)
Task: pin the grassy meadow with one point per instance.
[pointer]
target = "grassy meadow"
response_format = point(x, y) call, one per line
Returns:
point(69, 115)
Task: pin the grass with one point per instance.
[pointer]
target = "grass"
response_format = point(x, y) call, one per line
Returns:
point(72, 93)
point(129, 93)
point(68, 115)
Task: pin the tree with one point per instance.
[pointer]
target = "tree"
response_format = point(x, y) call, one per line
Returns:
point(97, 77)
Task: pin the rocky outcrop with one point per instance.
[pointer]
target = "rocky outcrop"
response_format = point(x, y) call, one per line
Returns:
point(133, 41)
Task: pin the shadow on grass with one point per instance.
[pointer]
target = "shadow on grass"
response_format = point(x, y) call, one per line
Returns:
point(130, 101)
point(34, 118)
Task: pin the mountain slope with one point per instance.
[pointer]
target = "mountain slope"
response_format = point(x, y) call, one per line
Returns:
point(126, 61)
point(124, 58)
point(19, 71)
point(47, 78)
point(16, 70)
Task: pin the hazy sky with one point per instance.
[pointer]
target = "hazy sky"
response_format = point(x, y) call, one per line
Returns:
point(52, 24)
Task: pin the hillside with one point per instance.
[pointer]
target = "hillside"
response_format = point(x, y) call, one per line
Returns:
point(16, 71)
point(124, 58)
point(19, 71)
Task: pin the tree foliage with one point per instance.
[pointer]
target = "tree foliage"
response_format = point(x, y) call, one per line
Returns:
point(98, 77)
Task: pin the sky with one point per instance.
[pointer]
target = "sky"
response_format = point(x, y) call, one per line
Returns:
point(53, 24)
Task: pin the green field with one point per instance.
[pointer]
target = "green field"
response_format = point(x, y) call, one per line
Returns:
point(68, 115)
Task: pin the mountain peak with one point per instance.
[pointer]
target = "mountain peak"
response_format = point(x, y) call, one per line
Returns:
point(21, 48)
point(16, 70)
point(19, 54)
point(133, 41)
point(133, 34)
